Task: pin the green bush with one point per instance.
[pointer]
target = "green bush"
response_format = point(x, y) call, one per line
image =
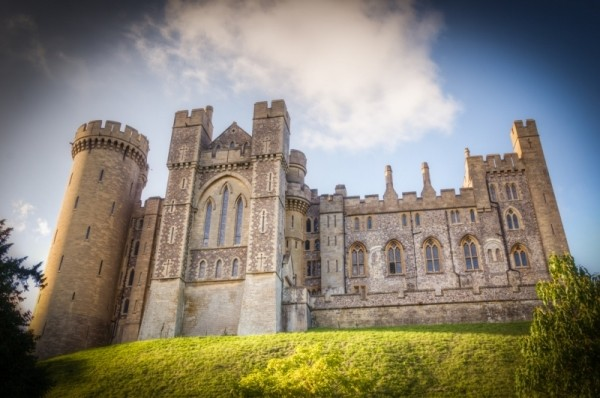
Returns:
point(309, 372)
point(562, 353)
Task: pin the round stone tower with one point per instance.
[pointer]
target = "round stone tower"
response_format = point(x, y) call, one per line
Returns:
point(297, 202)
point(76, 309)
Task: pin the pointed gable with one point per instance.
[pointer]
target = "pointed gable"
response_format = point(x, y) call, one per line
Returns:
point(233, 137)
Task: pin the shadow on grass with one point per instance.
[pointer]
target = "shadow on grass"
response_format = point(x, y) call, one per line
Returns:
point(505, 329)
point(66, 370)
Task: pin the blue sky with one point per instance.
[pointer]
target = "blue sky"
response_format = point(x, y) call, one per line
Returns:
point(367, 84)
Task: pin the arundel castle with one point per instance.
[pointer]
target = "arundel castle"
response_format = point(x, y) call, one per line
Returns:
point(241, 245)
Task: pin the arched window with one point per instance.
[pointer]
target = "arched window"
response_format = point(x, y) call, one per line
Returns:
point(404, 220)
point(125, 307)
point(219, 269)
point(417, 219)
point(511, 192)
point(223, 221)
point(239, 216)
point(493, 193)
point(498, 255)
point(306, 245)
point(308, 225)
point(520, 256)
point(136, 249)
point(394, 255)
point(231, 145)
point(472, 214)
point(454, 217)
point(131, 278)
point(207, 217)
point(470, 252)
point(432, 255)
point(357, 254)
point(512, 219)
point(356, 224)
point(316, 224)
point(235, 267)
point(317, 244)
point(369, 223)
point(202, 271)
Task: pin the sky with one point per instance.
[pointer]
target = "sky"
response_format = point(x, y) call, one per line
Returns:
point(367, 84)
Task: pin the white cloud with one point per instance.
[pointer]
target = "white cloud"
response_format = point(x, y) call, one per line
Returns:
point(359, 73)
point(21, 211)
point(42, 227)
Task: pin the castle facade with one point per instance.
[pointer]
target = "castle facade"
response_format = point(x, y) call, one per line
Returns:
point(241, 245)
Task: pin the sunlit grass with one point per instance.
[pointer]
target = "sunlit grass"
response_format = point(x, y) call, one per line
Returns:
point(444, 360)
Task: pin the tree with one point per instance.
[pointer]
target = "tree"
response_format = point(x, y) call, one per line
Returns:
point(19, 375)
point(562, 352)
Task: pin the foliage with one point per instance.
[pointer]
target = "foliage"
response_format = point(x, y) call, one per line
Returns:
point(410, 361)
point(562, 353)
point(309, 372)
point(20, 376)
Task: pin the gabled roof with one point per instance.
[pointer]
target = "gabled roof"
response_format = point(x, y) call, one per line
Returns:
point(233, 137)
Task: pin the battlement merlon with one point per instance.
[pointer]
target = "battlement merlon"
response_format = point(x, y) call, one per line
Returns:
point(112, 129)
point(277, 109)
point(197, 117)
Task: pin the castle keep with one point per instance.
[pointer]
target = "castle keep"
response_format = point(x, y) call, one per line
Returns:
point(241, 245)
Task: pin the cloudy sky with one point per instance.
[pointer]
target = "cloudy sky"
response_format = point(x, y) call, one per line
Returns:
point(367, 84)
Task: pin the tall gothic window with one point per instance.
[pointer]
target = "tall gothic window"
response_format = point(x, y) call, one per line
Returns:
point(239, 216)
point(511, 192)
point(432, 255)
point(404, 220)
point(470, 250)
point(394, 254)
point(512, 220)
point(357, 253)
point(493, 193)
point(454, 216)
point(223, 221)
point(520, 256)
point(308, 225)
point(369, 223)
point(207, 218)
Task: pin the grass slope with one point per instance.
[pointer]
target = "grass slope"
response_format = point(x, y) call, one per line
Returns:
point(445, 360)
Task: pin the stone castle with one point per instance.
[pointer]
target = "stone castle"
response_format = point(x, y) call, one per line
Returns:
point(241, 245)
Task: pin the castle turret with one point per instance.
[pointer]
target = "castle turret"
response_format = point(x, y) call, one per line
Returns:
point(527, 145)
point(261, 303)
point(296, 203)
point(191, 135)
point(75, 310)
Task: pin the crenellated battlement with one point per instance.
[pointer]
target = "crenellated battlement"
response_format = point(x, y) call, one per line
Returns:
point(495, 163)
point(409, 201)
point(197, 117)
point(277, 109)
point(112, 129)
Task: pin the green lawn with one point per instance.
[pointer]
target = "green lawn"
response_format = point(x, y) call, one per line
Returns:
point(476, 360)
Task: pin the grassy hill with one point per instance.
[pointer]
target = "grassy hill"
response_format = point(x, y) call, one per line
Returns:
point(445, 360)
